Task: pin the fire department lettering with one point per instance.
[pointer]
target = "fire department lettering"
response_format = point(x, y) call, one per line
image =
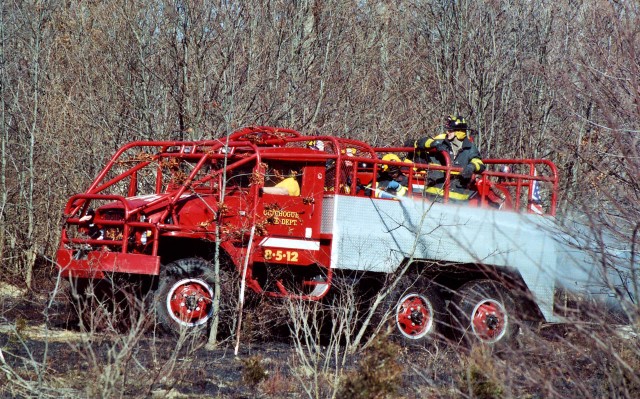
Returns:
point(281, 255)
point(286, 218)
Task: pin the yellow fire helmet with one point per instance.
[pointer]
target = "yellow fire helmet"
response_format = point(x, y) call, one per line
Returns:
point(390, 158)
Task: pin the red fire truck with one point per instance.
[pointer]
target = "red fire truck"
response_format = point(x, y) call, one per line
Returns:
point(158, 208)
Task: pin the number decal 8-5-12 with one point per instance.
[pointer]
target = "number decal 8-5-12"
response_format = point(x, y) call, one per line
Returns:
point(281, 255)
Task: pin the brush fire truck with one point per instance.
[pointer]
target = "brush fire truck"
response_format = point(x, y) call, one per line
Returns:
point(157, 210)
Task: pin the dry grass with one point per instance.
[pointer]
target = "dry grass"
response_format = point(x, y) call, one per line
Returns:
point(39, 358)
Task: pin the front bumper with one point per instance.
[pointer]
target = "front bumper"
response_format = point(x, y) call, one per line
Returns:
point(96, 263)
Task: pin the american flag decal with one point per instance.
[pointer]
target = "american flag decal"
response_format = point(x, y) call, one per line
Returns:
point(535, 203)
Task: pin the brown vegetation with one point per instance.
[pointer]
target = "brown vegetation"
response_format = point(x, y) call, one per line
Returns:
point(78, 79)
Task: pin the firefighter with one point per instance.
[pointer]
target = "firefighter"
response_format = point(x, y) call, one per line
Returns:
point(346, 175)
point(463, 153)
point(286, 186)
point(417, 155)
point(391, 182)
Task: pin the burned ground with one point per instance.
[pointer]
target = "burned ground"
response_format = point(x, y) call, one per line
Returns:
point(45, 354)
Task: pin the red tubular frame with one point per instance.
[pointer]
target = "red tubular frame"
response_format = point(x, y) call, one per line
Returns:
point(258, 143)
point(521, 180)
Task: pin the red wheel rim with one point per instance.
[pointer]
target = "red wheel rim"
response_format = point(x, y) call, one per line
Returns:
point(414, 316)
point(189, 302)
point(489, 321)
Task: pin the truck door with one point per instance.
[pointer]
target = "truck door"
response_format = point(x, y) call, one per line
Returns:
point(288, 226)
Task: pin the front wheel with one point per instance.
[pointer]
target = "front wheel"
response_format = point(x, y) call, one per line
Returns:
point(484, 311)
point(184, 299)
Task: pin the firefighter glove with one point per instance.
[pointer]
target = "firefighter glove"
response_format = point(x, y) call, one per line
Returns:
point(393, 185)
point(440, 145)
point(467, 171)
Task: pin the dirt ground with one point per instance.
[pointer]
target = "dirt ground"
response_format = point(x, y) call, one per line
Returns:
point(37, 340)
point(43, 353)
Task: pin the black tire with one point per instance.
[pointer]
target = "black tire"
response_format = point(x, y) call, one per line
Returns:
point(415, 311)
point(184, 298)
point(483, 311)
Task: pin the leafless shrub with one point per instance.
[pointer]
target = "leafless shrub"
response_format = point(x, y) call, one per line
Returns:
point(253, 371)
point(278, 383)
point(378, 374)
point(265, 321)
point(538, 79)
point(116, 361)
point(24, 381)
point(322, 334)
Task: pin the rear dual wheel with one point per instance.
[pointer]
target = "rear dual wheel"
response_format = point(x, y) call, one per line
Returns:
point(416, 311)
point(484, 311)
